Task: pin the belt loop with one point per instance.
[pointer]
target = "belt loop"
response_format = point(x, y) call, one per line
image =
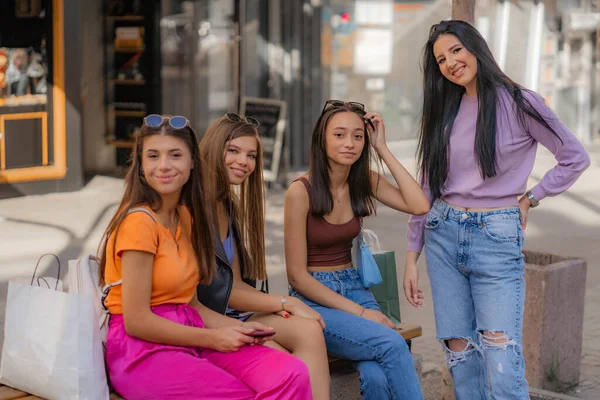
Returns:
point(479, 222)
point(446, 210)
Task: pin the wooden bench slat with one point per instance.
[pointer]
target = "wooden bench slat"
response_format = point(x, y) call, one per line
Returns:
point(409, 331)
point(8, 393)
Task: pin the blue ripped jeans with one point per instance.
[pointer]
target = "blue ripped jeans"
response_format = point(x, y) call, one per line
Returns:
point(381, 355)
point(476, 266)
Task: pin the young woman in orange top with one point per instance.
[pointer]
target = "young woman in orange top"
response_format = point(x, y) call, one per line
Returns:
point(162, 343)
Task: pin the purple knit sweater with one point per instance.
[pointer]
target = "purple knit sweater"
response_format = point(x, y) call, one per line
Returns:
point(515, 154)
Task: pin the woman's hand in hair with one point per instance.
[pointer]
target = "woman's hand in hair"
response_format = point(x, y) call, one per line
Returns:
point(377, 136)
point(524, 206)
point(378, 316)
point(298, 308)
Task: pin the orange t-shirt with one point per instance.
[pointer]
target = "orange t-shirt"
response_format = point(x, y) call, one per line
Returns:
point(174, 269)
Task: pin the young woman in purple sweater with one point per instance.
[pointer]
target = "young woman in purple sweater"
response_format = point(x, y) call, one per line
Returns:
point(477, 145)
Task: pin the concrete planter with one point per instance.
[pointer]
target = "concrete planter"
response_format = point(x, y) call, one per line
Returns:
point(553, 319)
point(552, 322)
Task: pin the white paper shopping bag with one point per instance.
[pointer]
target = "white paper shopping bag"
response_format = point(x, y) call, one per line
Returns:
point(52, 344)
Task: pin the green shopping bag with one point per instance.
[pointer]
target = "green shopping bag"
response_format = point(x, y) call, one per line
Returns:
point(386, 293)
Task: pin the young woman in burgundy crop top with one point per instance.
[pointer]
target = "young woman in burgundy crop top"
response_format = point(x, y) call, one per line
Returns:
point(322, 216)
point(231, 153)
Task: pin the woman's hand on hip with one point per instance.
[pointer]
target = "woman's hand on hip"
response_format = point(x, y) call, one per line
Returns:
point(297, 307)
point(524, 206)
point(378, 316)
point(413, 294)
point(377, 136)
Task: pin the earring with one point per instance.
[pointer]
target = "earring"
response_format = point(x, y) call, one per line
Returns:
point(142, 172)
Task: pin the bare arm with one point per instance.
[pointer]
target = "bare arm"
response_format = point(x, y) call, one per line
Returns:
point(296, 209)
point(222, 333)
point(140, 321)
point(408, 196)
point(246, 298)
point(213, 319)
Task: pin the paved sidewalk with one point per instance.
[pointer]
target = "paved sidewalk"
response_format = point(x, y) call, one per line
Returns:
point(71, 225)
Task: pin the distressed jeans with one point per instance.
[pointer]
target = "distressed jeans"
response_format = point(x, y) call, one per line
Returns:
point(380, 354)
point(476, 266)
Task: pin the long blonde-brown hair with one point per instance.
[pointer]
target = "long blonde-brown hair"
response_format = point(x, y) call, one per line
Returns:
point(247, 210)
point(138, 192)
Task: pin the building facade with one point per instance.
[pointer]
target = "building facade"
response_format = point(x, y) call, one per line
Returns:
point(78, 77)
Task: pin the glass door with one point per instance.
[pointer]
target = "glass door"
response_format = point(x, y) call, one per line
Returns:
point(200, 59)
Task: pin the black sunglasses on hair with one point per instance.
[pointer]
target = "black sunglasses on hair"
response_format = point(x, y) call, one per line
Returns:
point(352, 105)
point(156, 121)
point(233, 117)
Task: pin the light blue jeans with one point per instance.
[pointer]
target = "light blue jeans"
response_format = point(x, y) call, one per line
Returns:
point(475, 266)
point(381, 355)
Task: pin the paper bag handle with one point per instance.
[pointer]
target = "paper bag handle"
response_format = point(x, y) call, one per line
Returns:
point(38, 264)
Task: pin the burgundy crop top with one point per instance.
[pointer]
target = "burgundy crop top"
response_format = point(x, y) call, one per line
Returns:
point(328, 244)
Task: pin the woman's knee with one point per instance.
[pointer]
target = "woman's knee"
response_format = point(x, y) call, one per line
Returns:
point(396, 345)
point(312, 332)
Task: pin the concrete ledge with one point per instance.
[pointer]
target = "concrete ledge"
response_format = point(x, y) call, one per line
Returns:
point(344, 378)
point(539, 394)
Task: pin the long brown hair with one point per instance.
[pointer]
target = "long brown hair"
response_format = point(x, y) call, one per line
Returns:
point(138, 192)
point(359, 179)
point(247, 210)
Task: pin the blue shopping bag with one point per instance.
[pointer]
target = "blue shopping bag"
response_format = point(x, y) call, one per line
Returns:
point(367, 267)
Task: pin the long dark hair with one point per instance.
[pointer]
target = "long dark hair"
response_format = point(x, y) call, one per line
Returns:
point(247, 210)
point(442, 100)
point(138, 192)
point(359, 179)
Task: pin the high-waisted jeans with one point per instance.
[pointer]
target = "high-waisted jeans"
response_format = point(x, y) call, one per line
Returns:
point(144, 370)
point(381, 355)
point(476, 266)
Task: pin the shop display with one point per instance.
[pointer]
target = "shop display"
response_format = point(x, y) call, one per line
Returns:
point(22, 77)
point(131, 62)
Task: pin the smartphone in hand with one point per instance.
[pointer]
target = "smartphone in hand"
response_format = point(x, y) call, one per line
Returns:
point(261, 333)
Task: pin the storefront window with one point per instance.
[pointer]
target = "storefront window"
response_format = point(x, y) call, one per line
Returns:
point(32, 118)
point(199, 59)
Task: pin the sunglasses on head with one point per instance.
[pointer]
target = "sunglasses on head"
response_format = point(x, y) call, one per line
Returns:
point(156, 121)
point(233, 117)
point(351, 105)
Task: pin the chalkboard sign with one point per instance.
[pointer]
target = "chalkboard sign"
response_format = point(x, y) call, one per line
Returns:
point(271, 114)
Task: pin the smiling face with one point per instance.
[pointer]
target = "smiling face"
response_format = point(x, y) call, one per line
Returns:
point(345, 138)
point(456, 63)
point(166, 163)
point(240, 158)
